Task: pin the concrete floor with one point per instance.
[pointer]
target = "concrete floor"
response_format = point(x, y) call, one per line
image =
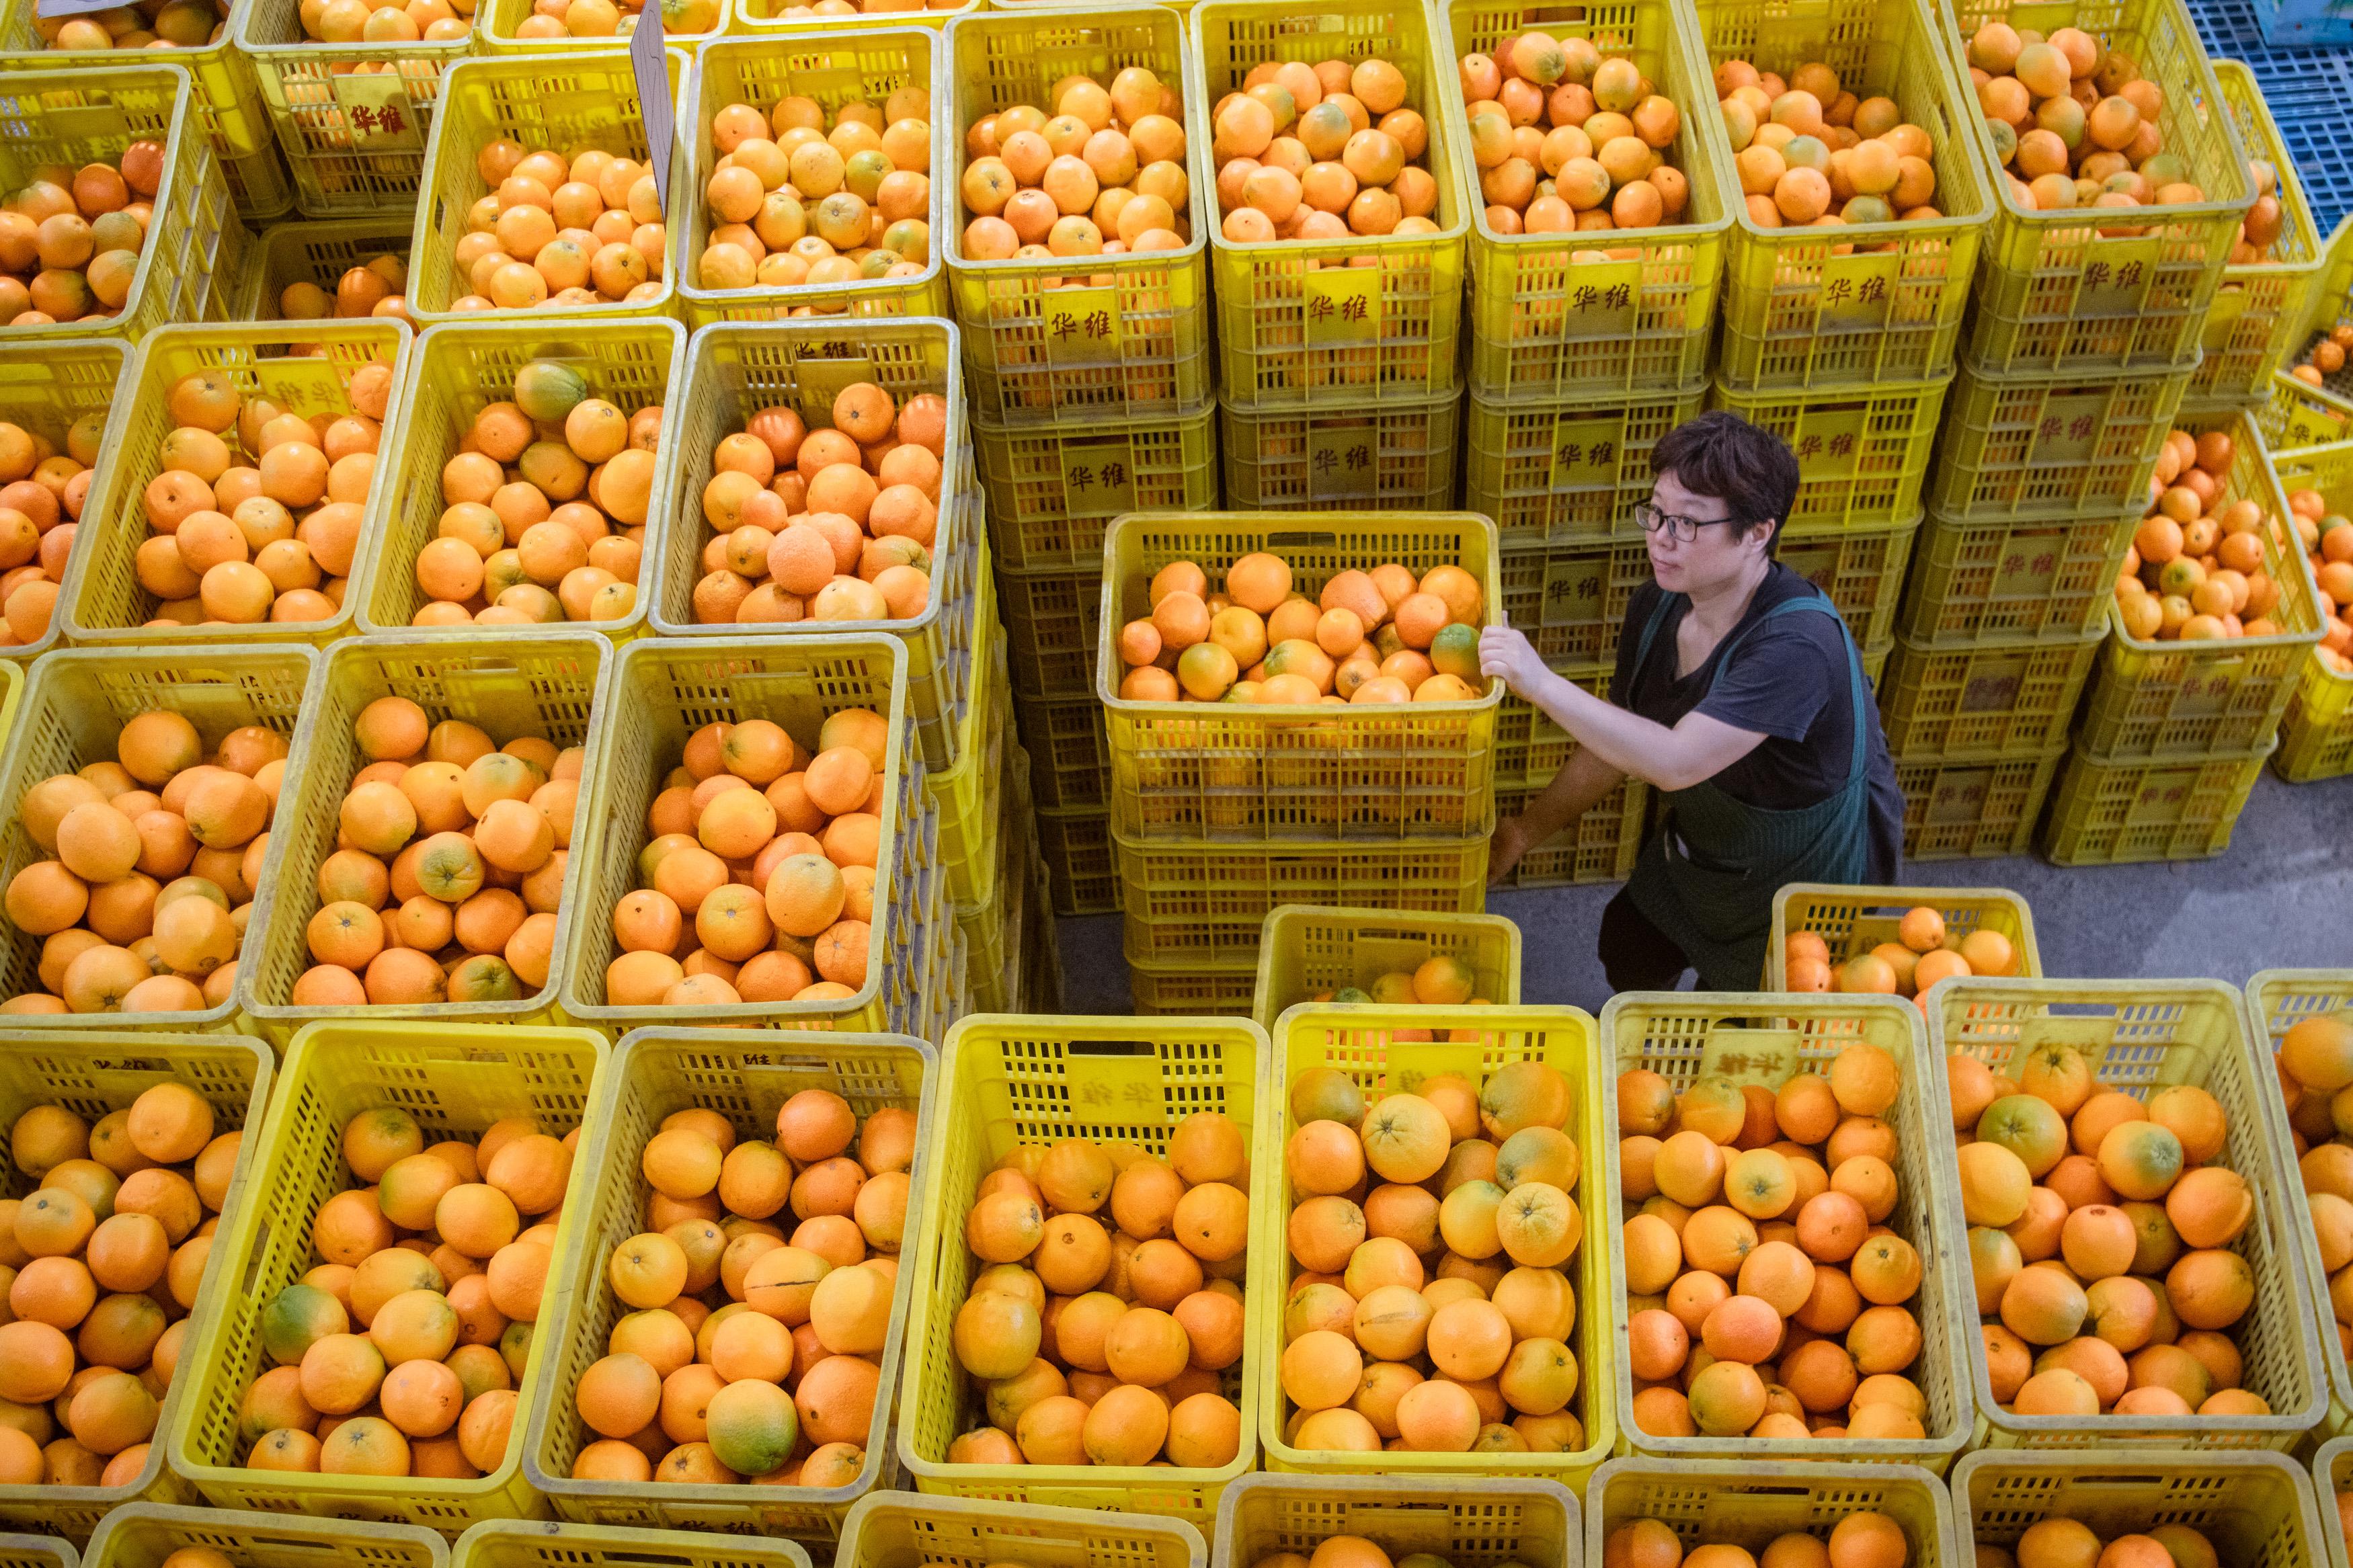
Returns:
point(2281, 896)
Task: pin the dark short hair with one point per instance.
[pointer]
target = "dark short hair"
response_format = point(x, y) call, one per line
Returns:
point(1723, 457)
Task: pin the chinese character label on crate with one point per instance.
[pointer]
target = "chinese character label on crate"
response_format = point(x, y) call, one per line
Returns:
point(1602, 299)
point(378, 111)
point(1573, 590)
point(301, 383)
point(1960, 795)
point(2069, 429)
point(1993, 685)
point(1098, 478)
point(1585, 451)
point(1341, 461)
point(821, 381)
point(1344, 306)
point(1828, 440)
point(1082, 326)
point(1858, 290)
point(1765, 1058)
point(2028, 565)
point(2116, 275)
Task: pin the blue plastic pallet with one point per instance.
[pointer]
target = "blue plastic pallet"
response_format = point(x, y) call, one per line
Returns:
point(2308, 91)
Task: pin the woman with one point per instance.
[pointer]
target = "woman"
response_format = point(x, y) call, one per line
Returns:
point(1740, 696)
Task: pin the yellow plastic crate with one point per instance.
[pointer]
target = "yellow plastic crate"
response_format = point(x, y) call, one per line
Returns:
point(195, 247)
point(2258, 316)
point(1600, 847)
point(1298, 326)
point(833, 67)
point(1861, 568)
point(20, 1551)
point(455, 1081)
point(1069, 754)
point(459, 370)
point(2276, 1000)
point(73, 708)
point(1396, 455)
point(2297, 413)
point(1130, 339)
point(2332, 1477)
point(764, 18)
point(108, 605)
point(1685, 1037)
point(992, 924)
point(1053, 491)
point(564, 102)
point(2051, 293)
point(1009, 1080)
point(653, 1074)
point(2160, 699)
point(1568, 471)
point(1052, 621)
point(1963, 811)
point(1486, 1522)
point(1984, 701)
point(2000, 577)
point(2316, 726)
point(2253, 1507)
point(968, 796)
point(730, 373)
point(2139, 1036)
point(900, 1529)
point(142, 1535)
point(1530, 748)
point(1308, 949)
point(355, 143)
point(315, 251)
point(495, 22)
point(1862, 452)
point(1205, 771)
point(539, 1543)
point(226, 108)
point(1750, 1501)
point(2042, 445)
point(1547, 324)
point(1856, 920)
point(92, 1075)
point(1798, 314)
point(1362, 1041)
point(1191, 988)
point(550, 687)
point(1077, 848)
point(2112, 810)
point(664, 690)
point(45, 388)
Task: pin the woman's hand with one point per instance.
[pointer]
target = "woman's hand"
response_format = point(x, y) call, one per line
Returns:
point(1503, 652)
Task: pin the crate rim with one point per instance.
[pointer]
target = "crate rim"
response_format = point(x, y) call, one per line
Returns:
point(2324, 1466)
point(1288, 913)
point(1133, 523)
point(2151, 1460)
point(588, 1538)
point(194, 1516)
point(1935, 1217)
point(727, 46)
point(124, 352)
point(107, 480)
point(1796, 1471)
point(242, 33)
point(2105, 1430)
point(2294, 206)
point(564, 1271)
point(1404, 1488)
point(2028, 949)
point(948, 1505)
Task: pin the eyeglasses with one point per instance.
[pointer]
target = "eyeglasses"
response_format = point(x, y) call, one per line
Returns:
point(1682, 528)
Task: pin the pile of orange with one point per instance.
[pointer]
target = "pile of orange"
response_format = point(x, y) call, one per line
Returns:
point(70, 239)
point(2076, 125)
point(1430, 1304)
point(256, 515)
point(760, 874)
point(609, 19)
point(448, 865)
point(1769, 1297)
point(2196, 565)
point(747, 1354)
point(377, 287)
point(585, 230)
point(387, 22)
point(544, 507)
point(144, 25)
point(153, 862)
point(1922, 954)
point(1863, 1538)
point(794, 201)
point(1101, 174)
point(835, 524)
point(1438, 982)
point(42, 494)
point(1808, 152)
point(2316, 1070)
point(1097, 1343)
point(1381, 636)
point(1567, 139)
point(2325, 357)
point(2327, 540)
point(1322, 152)
point(102, 1265)
point(2100, 1240)
point(2061, 1542)
point(398, 1352)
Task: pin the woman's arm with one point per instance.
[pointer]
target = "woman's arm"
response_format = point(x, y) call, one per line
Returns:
point(1579, 786)
point(1697, 749)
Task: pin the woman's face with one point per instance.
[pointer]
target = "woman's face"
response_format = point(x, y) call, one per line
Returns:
point(1716, 557)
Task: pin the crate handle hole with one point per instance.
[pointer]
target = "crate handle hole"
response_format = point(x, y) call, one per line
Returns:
point(1111, 1049)
point(1320, 539)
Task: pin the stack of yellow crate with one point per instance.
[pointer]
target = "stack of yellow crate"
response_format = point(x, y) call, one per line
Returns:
point(1092, 395)
point(1223, 811)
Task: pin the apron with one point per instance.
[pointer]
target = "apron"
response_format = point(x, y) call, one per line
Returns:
point(1708, 878)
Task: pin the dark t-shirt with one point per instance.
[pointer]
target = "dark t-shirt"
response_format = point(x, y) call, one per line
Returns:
point(1788, 681)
